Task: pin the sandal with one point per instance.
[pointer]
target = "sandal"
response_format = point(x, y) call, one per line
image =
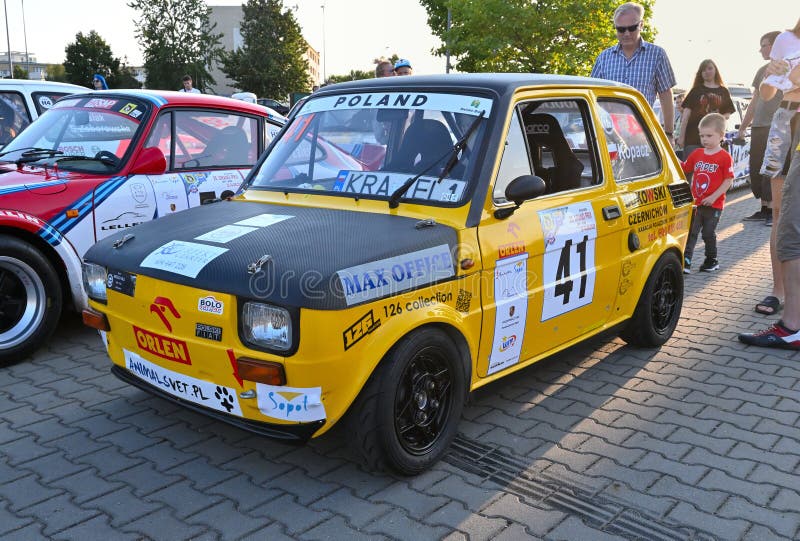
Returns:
point(769, 306)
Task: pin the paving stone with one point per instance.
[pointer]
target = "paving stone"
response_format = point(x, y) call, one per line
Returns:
point(736, 467)
point(786, 500)
point(337, 528)
point(516, 532)
point(688, 474)
point(398, 525)
point(735, 433)
point(184, 499)
point(108, 461)
point(273, 532)
point(456, 517)
point(94, 529)
point(24, 450)
point(77, 445)
point(574, 528)
point(249, 496)
point(25, 492)
point(784, 523)
point(163, 456)
point(129, 440)
point(720, 481)
point(458, 488)
point(23, 416)
point(778, 459)
point(537, 521)
point(357, 511)
point(53, 466)
point(11, 521)
point(85, 485)
point(58, 513)
point(201, 474)
point(144, 479)
point(97, 425)
point(760, 533)
point(154, 524)
point(294, 518)
point(765, 473)
point(713, 443)
point(122, 507)
point(783, 417)
point(415, 503)
point(724, 528)
point(10, 473)
point(26, 533)
point(302, 486)
point(621, 454)
point(8, 434)
point(704, 499)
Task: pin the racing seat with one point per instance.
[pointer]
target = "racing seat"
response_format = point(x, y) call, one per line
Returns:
point(424, 142)
point(228, 147)
point(545, 136)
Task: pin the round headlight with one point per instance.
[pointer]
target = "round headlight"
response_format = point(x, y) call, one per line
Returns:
point(266, 326)
point(94, 281)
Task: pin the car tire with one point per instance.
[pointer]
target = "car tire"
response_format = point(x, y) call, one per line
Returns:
point(659, 306)
point(408, 412)
point(30, 299)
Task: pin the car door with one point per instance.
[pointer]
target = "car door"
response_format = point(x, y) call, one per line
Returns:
point(550, 269)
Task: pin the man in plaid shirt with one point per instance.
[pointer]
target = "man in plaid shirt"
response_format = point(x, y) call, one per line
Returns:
point(640, 64)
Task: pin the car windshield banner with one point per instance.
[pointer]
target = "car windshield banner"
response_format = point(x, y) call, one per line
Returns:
point(453, 103)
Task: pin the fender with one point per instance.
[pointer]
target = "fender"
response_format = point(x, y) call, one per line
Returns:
point(66, 253)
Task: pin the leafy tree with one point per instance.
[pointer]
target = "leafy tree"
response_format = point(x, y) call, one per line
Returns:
point(178, 39)
point(126, 78)
point(89, 54)
point(354, 75)
point(56, 72)
point(20, 72)
point(541, 36)
point(271, 61)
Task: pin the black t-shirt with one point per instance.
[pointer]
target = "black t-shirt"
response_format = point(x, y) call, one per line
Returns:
point(703, 100)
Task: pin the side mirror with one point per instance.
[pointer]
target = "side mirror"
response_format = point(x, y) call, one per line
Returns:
point(150, 161)
point(520, 190)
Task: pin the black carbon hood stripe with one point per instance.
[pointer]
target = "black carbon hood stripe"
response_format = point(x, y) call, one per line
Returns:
point(319, 258)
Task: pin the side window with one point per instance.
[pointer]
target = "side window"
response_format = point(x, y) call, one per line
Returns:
point(561, 143)
point(630, 144)
point(515, 161)
point(14, 116)
point(161, 136)
point(210, 139)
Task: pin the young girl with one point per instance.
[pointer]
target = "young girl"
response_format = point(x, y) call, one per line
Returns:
point(707, 95)
point(712, 169)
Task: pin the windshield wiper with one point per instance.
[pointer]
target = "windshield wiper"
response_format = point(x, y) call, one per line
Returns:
point(35, 154)
point(394, 199)
point(28, 151)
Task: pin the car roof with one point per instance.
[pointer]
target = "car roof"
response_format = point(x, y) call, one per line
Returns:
point(161, 98)
point(33, 85)
point(499, 82)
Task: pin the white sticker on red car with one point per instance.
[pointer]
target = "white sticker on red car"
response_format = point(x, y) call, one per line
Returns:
point(290, 403)
point(184, 258)
point(569, 271)
point(198, 391)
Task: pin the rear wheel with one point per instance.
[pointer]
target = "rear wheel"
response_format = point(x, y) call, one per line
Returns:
point(30, 299)
point(408, 412)
point(659, 307)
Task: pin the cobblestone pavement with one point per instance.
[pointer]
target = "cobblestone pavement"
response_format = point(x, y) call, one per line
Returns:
point(697, 440)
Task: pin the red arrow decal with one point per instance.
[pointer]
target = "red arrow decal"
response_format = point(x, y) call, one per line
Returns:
point(232, 359)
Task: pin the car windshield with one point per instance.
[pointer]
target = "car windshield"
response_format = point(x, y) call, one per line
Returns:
point(79, 128)
point(371, 144)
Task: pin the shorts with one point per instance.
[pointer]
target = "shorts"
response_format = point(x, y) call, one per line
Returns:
point(759, 184)
point(788, 234)
point(777, 154)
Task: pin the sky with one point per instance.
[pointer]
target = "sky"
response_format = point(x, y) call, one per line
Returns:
point(351, 33)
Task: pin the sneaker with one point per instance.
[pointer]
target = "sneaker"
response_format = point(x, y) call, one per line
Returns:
point(709, 265)
point(757, 216)
point(775, 336)
point(768, 220)
point(687, 265)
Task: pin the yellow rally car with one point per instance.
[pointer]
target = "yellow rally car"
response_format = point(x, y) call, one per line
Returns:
point(401, 243)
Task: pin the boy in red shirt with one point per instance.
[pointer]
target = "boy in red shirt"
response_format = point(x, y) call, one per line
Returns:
point(712, 175)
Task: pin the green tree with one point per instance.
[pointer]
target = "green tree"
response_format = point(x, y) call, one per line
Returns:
point(55, 72)
point(271, 61)
point(177, 39)
point(126, 78)
point(540, 36)
point(354, 75)
point(89, 54)
point(20, 72)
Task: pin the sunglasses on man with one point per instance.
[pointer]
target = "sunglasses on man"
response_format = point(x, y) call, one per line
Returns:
point(632, 28)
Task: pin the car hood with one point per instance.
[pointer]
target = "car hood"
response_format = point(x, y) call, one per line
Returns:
point(310, 257)
point(35, 179)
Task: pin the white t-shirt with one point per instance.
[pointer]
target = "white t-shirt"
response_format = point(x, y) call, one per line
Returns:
point(193, 90)
point(786, 47)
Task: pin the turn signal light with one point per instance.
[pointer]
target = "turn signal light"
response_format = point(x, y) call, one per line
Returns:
point(261, 371)
point(95, 320)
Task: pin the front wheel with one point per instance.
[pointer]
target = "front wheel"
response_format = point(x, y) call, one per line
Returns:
point(659, 307)
point(30, 299)
point(408, 412)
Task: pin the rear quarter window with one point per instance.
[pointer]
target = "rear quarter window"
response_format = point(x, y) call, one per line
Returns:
point(629, 141)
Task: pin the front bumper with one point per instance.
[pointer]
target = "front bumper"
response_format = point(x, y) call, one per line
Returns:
point(295, 433)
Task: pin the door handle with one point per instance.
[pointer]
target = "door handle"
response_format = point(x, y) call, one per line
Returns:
point(611, 212)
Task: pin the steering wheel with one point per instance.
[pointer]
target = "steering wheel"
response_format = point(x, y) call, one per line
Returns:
point(107, 158)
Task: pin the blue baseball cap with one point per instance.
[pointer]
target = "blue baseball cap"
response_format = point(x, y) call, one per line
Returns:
point(402, 63)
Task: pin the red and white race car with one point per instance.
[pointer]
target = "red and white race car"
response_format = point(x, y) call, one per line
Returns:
point(100, 162)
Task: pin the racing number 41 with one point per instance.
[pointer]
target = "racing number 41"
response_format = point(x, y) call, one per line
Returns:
point(564, 281)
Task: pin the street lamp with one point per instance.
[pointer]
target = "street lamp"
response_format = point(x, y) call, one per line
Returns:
point(324, 56)
point(8, 42)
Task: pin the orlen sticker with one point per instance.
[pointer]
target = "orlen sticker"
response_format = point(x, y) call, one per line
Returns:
point(290, 403)
point(210, 305)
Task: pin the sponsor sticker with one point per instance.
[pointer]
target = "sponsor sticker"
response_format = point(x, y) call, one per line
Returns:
point(358, 330)
point(226, 233)
point(454, 103)
point(511, 295)
point(210, 332)
point(184, 258)
point(264, 220)
point(165, 347)
point(101, 103)
point(379, 183)
point(210, 305)
point(290, 403)
point(395, 274)
point(204, 393)
point(121, 282)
